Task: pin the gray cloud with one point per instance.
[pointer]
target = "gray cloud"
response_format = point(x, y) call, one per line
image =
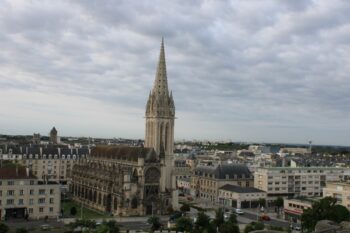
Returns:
point(244, 70)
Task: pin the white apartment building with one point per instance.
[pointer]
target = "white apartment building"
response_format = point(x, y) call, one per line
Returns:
point(295, 181)
point(23, 196)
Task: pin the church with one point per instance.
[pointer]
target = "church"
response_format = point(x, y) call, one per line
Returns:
point(130, 181)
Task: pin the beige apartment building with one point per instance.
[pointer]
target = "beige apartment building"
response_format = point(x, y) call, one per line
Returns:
point(207, 179)
point(295, 181)
point(340, 191)
point(23, 196)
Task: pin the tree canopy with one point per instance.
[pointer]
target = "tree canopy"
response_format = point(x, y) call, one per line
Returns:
point(326, 208)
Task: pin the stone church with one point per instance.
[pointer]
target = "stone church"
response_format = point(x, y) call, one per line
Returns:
point(129, 181)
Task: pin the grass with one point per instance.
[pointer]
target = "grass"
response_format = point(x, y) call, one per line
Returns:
point(87, 213)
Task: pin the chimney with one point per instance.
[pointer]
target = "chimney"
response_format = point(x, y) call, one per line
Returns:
point(27, 171)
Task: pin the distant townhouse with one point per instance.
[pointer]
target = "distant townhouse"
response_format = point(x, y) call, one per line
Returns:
point(295, 181)
point(23, 196)
point(208, 179)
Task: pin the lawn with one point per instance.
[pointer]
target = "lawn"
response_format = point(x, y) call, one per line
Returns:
point(86, 212)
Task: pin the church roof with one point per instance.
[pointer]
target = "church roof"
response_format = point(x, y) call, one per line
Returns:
point(125, 153)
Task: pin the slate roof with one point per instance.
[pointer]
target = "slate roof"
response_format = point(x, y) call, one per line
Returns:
point(239, 189)
point(221, 170)
point(11, 173)
point(124, 153)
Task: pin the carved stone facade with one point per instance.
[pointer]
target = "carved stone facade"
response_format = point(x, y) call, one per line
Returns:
point(123, 181)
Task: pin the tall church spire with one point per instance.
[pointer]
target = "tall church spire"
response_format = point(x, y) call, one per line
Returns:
point(160, 86)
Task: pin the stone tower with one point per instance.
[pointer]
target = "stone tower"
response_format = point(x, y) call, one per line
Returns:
point(160, 115)
point(53, 136)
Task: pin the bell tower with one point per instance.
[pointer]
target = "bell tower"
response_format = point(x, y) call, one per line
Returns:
point(160, 116)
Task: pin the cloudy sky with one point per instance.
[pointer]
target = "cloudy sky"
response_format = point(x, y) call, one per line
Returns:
point(256, 70)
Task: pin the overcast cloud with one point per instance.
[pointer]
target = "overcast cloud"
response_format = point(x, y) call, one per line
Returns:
point(266, 71)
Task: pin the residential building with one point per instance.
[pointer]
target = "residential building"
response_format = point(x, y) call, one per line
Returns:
point(295, 181)
point(340, 191)
point(22, 195)
point(206, 180)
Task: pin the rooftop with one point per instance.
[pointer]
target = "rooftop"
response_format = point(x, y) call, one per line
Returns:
point(239, 189)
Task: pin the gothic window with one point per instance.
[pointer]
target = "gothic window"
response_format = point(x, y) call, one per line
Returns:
point(166, 136)
point(115, 203)
point(152, 175)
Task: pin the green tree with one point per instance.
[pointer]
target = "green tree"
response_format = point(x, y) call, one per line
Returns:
point(3, 228)
point(21, 230)
point(254, 226)
point(184, 224)
point(326, 208)
point(219, 217)
point(155, 223)
point(279, 202)
point(229, 227)
point(185, 208)
point(232, 219)
point(262, 202)
point(112, 226)
point(203, 224)
point(73, 211)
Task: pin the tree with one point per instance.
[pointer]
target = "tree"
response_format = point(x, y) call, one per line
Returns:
point(185, 208)
point(219, 217)
point(229, 227)
point(3, 228)
point(232, 219)
point(279, 202)
point(73, 211)
point(155, 223)
point(326, 208)
point(21, 230)
point(254, 226)
point(203, 224)
point(184, 224)
point(262, 202)
point(112, 226)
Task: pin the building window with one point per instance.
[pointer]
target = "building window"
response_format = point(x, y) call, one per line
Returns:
point(51, 200)
point(30, 210)
point(41, 191)
point(10, 202)
point(31, 192)
point(10, 182)
point(32, 182)
point(20, 201)
point(21, 192)
point(31, 201)
point(41, 209)
point(51, 209)
point(10, 192)
point(41, 200)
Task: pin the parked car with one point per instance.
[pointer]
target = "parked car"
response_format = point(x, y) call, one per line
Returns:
point(239, 211)
point(296, 227)
point(265, 217)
